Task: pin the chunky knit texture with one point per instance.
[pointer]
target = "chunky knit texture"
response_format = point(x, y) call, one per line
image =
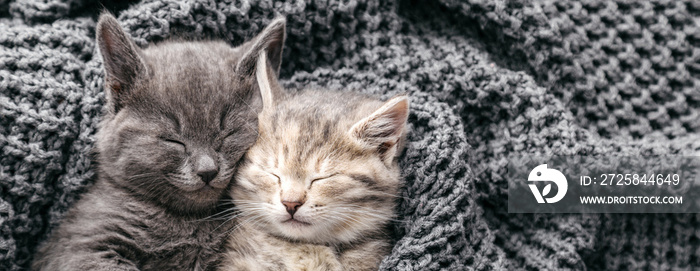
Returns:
point(487, 79)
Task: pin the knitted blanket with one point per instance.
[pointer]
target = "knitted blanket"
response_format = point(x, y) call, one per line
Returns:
point(487, 79)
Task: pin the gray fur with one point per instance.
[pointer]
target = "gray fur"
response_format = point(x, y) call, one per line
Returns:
point(178, 119)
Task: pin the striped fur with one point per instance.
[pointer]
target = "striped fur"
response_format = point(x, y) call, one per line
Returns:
point(335, 153)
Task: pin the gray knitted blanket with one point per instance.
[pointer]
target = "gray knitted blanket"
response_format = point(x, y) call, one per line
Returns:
point(487, 79)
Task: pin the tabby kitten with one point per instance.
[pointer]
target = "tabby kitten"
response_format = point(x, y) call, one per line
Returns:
point(318, 188)
point(179, 116)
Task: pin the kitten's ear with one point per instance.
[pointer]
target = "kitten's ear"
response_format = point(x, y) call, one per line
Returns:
point(385, 128)
point(269, 87)
point(122, 60)
point(271, 41)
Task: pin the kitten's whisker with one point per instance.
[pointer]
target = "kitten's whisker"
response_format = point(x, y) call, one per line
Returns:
point(357, 221)
point(380, 217)
point(364, 224)
point(213, 215)
point(227, 220)
point(367, 211)
point(244, 222)
point(252, 206)
point(142, 175)
point(393, 195)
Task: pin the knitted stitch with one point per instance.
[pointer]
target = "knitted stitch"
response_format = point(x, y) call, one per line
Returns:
point(486, 79)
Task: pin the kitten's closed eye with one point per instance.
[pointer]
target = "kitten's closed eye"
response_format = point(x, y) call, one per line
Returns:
point(279, 181)
point(326, 177)
point(174, 143)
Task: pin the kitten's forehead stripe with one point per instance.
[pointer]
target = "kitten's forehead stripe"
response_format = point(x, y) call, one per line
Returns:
point(275, 122)
point(326, 130)
point(367, 180)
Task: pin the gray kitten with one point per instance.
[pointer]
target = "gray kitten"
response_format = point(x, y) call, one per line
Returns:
point(179, 117)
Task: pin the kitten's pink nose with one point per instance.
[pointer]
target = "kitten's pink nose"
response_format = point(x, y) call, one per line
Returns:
point(292, 206)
